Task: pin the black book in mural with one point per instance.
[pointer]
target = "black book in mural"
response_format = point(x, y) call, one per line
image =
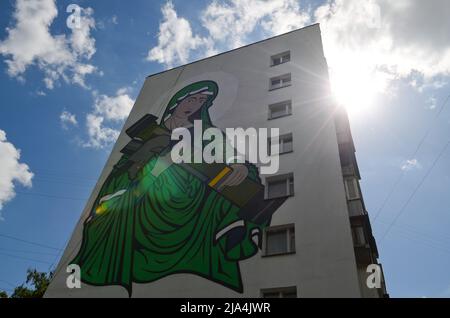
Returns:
point(149, 139)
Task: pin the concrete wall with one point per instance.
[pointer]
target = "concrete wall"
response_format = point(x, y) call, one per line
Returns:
point(324, 262)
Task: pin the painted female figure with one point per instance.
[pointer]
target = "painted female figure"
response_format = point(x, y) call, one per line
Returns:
point(161, 219)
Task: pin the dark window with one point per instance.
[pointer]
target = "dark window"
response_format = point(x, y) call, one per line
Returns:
point(351, 188)
point(280, 186)
point(280, 81)
point(282, 292)
point(285, 144)
point(279, 240)
point(280, 58)
point(281, 109)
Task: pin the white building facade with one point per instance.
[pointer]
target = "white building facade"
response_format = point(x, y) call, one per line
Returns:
point(316, 243)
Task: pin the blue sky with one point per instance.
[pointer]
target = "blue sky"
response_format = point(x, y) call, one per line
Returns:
point(390, 70)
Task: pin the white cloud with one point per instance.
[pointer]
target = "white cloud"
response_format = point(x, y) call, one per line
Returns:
point(68, 119)
point(231, 22)
point(107, 22)
point(228, 25)
point(99, 136)
point(11, 171)
point(116, 107)
point(108, 111)
point(369, 45)
point(285, 16)
point(175, 39)
point(29, 42)
point(82, 43)
point(410, 164)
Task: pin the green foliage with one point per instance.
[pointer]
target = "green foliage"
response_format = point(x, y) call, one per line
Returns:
point(35, 286)
point(3, 294)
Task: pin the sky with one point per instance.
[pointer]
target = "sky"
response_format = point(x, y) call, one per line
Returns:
point(68, 84)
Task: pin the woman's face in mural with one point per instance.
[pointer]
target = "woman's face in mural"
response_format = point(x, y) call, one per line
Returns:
point(190, 105)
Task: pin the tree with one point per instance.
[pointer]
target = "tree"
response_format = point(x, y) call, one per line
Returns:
point(3, 294)
point(35, 286)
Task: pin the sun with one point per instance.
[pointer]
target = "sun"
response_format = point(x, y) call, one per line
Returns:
point(356, 87)
point(355, 92)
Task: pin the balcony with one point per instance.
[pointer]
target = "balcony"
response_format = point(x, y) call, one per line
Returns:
point(365, 247)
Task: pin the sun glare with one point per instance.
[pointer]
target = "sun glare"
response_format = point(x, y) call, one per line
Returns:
point(355, 87)
point(355, 93)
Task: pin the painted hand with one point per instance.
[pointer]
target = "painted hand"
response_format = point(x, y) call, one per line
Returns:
point(238, 175)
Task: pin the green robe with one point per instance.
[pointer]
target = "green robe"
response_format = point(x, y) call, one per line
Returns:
point(157, 226)
point(160, 226)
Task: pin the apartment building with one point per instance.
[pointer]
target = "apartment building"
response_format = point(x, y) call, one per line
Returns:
point(155, 228)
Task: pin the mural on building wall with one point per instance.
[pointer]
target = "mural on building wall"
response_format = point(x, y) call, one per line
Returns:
point(153, 218)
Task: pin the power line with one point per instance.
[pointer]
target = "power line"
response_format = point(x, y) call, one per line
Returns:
point(58, 256)
point(71, 175)
point(26, 252)
point(47, 180)
point(6, 282)
point(424, 243)
point(63, 179)
point(71, 254)
point(45, 195)
point(425, 237)
point(402, 174)
point(29, 242)
point(402, 210)
point(25, 258)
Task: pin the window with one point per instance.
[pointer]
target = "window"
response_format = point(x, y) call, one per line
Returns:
point(351, 188)
point(280, 81)
point(280, 58)
point(283, 292)
point(279, 240)
point(280, 186)
point(359, 239)
point(280, 109)
point(355, 208)
point(285, 144)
